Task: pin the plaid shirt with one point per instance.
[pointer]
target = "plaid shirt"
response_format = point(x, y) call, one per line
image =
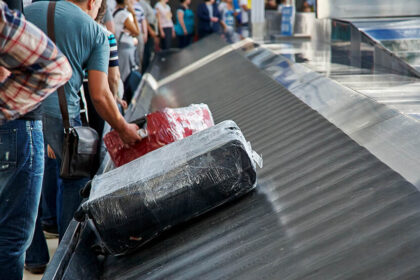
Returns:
point(37, 68)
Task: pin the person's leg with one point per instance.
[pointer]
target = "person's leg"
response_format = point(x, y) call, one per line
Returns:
point(148, 49)
point(70, 197)
point(21, 170)
point(140, 51)
point(189, 40)
point(50, 185)
point(168, 37)
point(37, 256)
point(166, 41)
point(180, 41)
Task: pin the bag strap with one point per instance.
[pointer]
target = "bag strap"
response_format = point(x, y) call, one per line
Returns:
point(122, 32)
point(61, 93)
point(116, 11)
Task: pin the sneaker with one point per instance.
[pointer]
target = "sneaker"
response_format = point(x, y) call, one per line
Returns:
point(36, 269)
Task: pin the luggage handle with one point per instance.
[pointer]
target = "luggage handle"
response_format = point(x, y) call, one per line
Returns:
point(142, 133)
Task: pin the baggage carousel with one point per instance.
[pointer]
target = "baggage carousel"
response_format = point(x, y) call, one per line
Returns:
point(330, 201)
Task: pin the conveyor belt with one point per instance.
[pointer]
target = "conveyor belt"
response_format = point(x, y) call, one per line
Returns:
point(325, 207)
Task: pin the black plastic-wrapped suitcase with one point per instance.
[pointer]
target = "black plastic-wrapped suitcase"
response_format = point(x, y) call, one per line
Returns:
point(132, 204)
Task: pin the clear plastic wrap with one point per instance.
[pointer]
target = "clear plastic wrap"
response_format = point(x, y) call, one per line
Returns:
point(132, 204)
point(162, 127)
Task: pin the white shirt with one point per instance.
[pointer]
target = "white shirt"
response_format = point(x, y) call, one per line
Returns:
point(119, 19)
point(165, 15)
point(244, 14)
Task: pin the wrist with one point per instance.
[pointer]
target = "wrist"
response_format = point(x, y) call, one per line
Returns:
point(122, 126)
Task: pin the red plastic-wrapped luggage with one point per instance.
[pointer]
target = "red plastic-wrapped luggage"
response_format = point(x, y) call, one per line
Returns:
point(162, 127)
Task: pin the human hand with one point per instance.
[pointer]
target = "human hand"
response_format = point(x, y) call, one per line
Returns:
point(129, 134)
point(129, 6)
point(185, 32)
point(50, 152)
point(123, 103)
point(162, 34)
point(173, 33)
point(157, 42)
point(215, 19)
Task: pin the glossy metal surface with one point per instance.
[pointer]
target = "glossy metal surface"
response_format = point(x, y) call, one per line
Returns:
point(360, 97)
point(399, 36)
point(366, 8)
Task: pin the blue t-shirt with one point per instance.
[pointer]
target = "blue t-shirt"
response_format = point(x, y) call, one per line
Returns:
point(81, 40)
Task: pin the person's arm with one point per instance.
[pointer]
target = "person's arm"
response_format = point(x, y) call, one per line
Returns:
point(106, 107)
point(144, 26)
point(110, 26)
point(108, 21)
point(37, 67)
point(202, 13)
point(180, 15)
point(223, 24)
point(114, 80)
point(131, 24)
point(217, 14)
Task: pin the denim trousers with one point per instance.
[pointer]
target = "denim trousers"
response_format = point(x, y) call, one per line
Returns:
point(69, 198)
point(37, 253)
point(148, 53)
point(21, 171)
point(50, 185)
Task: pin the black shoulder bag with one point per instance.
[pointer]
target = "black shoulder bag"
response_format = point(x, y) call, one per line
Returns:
point(80, 143)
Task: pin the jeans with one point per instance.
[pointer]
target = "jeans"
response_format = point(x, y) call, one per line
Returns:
point(140, 50)
point(50, 186)
point(148, 52)
point(37, 253)
point(184, 40)
point(166, 42)
point(68, 192)
point(21, 170)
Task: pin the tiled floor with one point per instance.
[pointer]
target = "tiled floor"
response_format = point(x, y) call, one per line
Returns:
point(52, 246)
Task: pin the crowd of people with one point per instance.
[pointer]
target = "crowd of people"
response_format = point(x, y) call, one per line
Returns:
point(92, 49)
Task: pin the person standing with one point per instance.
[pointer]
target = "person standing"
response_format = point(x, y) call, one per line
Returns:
point(152, 37)
point(166, 26)
point(184, 27)
point(126, 31)
point(227, 13)
point(208, 18)
point(142, 38)
point(244, 18)
point(86, 46)
point(31, 69)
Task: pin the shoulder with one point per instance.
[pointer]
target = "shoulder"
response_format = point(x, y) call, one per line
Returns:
point(138, 6)
point(96, 33)
point(33, 11)
point(121, 15)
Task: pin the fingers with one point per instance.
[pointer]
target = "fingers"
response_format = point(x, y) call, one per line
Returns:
point(50, 152)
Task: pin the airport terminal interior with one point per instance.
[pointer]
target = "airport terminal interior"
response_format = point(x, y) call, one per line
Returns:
point(327, 93)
